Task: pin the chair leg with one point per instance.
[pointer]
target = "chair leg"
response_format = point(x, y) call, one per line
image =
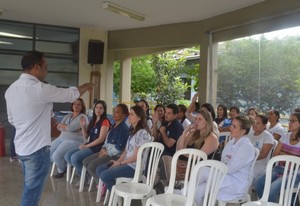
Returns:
point(68, 172)
point(82, 179)
point(91, 183)
point(52, 170)
point(73, 174)
point(106, 197)
point(112, 198)
point(127, 201)
point(221, 203)
point(100, 184)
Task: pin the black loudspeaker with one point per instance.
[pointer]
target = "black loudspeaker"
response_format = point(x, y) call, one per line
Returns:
point(95, 52)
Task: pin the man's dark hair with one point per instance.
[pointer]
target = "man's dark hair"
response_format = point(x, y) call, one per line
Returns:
point(30, 59)
point(235, 108)
point(174, 108)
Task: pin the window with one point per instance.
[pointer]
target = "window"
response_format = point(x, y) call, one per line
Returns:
point(59, 44)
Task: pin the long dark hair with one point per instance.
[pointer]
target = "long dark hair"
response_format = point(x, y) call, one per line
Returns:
point(142, 124)
point(147, 106)
point(94, 118)
point(210, 109)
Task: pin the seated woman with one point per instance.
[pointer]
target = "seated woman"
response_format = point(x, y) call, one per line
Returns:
point(125, 165)
point(200, 135)
point(233, 112)
point(263, 141)
point(289, 144)
point(70, 137)
point(145, 106)
point(158, 117)
point(96, 131)
point(238, 155)
point(221, 114)
point(252, 112)
point(275, 128)
point(114, 144)
point(185, 122)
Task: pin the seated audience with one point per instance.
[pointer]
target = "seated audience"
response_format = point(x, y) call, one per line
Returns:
point(238, 155)
point(96, 131)
point(211, 110)
point(289, 144)
point(263, 141)
point(181, 116)
point(193, 108)
point(275, 128)
point(114, 144)
point(125, 165)
point(70, 137)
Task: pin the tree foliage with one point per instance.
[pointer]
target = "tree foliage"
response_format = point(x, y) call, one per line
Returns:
point(262, 73)
point(169, 87)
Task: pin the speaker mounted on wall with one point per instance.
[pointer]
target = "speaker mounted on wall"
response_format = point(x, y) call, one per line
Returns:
point(95, 52)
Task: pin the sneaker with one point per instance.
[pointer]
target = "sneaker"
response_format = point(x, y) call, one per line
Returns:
point(59, 175)
point(85, 182)
point(12, 159)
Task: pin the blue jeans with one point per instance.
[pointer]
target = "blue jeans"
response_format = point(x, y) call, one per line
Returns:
point(59, 147)
point(109, 175)
point(276, 180)
point(76, 156)
point(35, 170)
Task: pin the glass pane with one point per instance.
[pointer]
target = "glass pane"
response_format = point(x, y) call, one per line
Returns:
point(58, 48)
point(62, 65)
point(10, 62)
point(57, 34)
point(15, 44)
point(8, 77)
point(61, 79)
point(16, 30)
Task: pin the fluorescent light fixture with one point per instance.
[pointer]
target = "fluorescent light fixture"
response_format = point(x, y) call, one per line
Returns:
point(14, 35)
point(123, 11)
point(6, 42)
point(1, 11)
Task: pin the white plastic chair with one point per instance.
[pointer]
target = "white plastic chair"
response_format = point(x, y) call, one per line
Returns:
point(227, 136)
point(292, 163)
point(135, 189)
point(169, 197)
point(247, 196)
point(68, 171)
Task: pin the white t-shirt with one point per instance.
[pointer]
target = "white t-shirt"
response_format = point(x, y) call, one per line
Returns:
point(258, 142)
point(277, 129)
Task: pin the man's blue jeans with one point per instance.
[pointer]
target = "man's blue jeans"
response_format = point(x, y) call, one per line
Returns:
point(35, 170)
point(109, 175)
point(275, 184)
point(76, 156)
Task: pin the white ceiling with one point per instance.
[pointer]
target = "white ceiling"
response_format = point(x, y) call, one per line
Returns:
point(89, 13)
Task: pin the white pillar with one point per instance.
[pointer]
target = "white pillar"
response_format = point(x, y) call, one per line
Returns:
point(125, 83)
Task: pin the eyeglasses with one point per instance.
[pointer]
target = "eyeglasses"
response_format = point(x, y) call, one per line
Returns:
point(293, 120)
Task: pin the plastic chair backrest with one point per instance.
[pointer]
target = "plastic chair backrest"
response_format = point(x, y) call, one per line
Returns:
point(194, 156)
point(250, 180)
point(224, 137)
point(217, 172)
point(153, 150)
point(274, 147)
point(292, 163)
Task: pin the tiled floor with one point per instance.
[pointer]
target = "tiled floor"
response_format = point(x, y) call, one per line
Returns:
point(57, 191)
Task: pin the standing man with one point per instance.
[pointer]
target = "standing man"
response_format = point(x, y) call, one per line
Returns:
point(29, 103)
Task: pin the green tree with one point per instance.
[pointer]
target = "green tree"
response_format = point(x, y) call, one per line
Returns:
point(262, 73)
point(169, 87)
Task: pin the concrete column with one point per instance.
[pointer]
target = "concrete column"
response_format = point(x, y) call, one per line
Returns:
point(203, 71)
point(125, 90)
point(109, 81)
